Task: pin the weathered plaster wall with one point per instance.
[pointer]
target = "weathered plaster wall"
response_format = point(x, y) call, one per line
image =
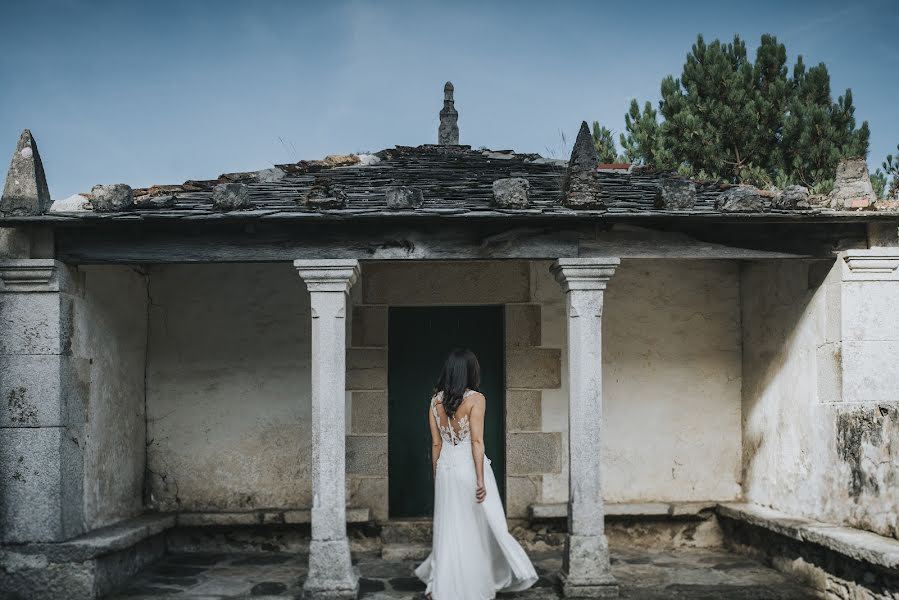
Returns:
point(671, 381)
point(821, 370)
point(228, 383)
point(228, 402)
point(110, 345)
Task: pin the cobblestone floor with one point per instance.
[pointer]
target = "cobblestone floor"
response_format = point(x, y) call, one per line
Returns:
point(643, 575)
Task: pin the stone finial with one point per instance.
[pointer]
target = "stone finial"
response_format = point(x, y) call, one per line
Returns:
point(581, 188)
point(26, 192)
point(400, 197)
point(230, 196)
point(448, 132)
point(511, 192)
point(115, 197)
point(852, 187)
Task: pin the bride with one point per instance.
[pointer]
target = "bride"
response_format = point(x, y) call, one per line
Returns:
point(473, 555)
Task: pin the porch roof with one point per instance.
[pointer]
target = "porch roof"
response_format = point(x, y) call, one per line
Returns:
point(454, 181)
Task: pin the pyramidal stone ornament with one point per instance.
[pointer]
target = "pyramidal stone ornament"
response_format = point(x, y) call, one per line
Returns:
point(25, 192)
point(448, 133)
point(581, 187)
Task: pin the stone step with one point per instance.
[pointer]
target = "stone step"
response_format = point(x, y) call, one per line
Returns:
point(405, 551)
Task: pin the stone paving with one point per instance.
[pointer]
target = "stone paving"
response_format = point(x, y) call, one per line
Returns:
point(704, 574)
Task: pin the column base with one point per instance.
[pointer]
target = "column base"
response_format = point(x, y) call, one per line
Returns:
point(331, 573)
point(586, 571)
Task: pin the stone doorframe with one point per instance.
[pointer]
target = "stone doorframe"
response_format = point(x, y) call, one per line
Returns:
point(586, 569)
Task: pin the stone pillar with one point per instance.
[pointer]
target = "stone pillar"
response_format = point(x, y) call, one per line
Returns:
point(41, 404)
point(586, 572)
point(331, 573)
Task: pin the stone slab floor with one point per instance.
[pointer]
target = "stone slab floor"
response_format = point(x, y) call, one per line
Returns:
point(643, 574)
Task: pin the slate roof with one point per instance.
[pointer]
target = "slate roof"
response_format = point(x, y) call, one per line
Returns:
point(454, 180)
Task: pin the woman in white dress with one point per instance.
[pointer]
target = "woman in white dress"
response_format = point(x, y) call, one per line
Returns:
point(473, 555)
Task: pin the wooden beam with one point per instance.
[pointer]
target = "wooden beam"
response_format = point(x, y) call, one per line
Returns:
point(143, 244)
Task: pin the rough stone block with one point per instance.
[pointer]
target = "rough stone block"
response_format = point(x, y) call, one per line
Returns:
point(38, 390)
point(528, 453)
point(675, 194)
point(36, 323)
point(743, 198)
point(534, 368)
point(521, 493)
point(366, 455)
point(369, 493)
point(524, 410)
point(369, 413)
point(369, 326)
point(230, 196)
point(792, 197)
point(472, 282)
point(511, 192)
point(402, 197)
point(41, 499)
point(366, 369)
point(112, 198)
point(522, 325)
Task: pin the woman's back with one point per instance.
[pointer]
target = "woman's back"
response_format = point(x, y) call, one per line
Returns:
point(473, 555)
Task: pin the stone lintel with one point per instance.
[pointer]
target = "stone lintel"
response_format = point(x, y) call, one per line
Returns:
point(335, 275)
point(32, 275)
point(584, 273)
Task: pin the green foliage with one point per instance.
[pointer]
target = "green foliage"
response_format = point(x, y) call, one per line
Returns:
point(878, 182)
point(891, 166)
point(822, 187)
point(605, 145)
point(743, 120)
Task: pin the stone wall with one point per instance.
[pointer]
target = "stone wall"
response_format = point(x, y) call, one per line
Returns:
point(821, 367)
point(228, 388)
point(111, 343)
point(228, 404)
point(72, 347)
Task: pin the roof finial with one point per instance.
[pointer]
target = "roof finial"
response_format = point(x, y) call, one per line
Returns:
point(25, 192)
point(448, 133)
point(581, 188)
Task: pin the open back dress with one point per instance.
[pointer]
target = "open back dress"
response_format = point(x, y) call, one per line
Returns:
point(473, 555)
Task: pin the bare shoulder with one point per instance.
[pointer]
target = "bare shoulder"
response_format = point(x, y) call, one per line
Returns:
point(477, 399)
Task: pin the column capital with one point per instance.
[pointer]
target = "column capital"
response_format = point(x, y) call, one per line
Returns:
point(334, 275)
point(584, 273)
point(36, 275)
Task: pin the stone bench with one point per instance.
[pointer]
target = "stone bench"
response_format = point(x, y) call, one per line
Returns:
point(837, 561)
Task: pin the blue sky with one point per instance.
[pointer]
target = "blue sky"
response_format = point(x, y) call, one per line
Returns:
point(160, 92)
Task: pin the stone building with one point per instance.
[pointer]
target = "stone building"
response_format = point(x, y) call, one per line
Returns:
point(260, 349)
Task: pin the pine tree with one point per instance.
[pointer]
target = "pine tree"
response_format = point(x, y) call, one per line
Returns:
point(878, 182)
point(891, 166)
point(736, 119)
point(605, 145)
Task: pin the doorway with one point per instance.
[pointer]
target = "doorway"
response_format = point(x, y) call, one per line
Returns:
point(419, 339)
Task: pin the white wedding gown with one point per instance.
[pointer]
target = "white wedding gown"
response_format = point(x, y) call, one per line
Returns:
point(473, 555)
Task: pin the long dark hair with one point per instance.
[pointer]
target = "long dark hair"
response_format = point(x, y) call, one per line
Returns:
point(461, 371)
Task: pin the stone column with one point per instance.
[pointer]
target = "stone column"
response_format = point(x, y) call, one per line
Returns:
point(331, 574)
point(41, 404)
point(586, 571)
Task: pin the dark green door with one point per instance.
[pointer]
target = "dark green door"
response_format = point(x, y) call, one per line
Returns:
point(419, 340)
